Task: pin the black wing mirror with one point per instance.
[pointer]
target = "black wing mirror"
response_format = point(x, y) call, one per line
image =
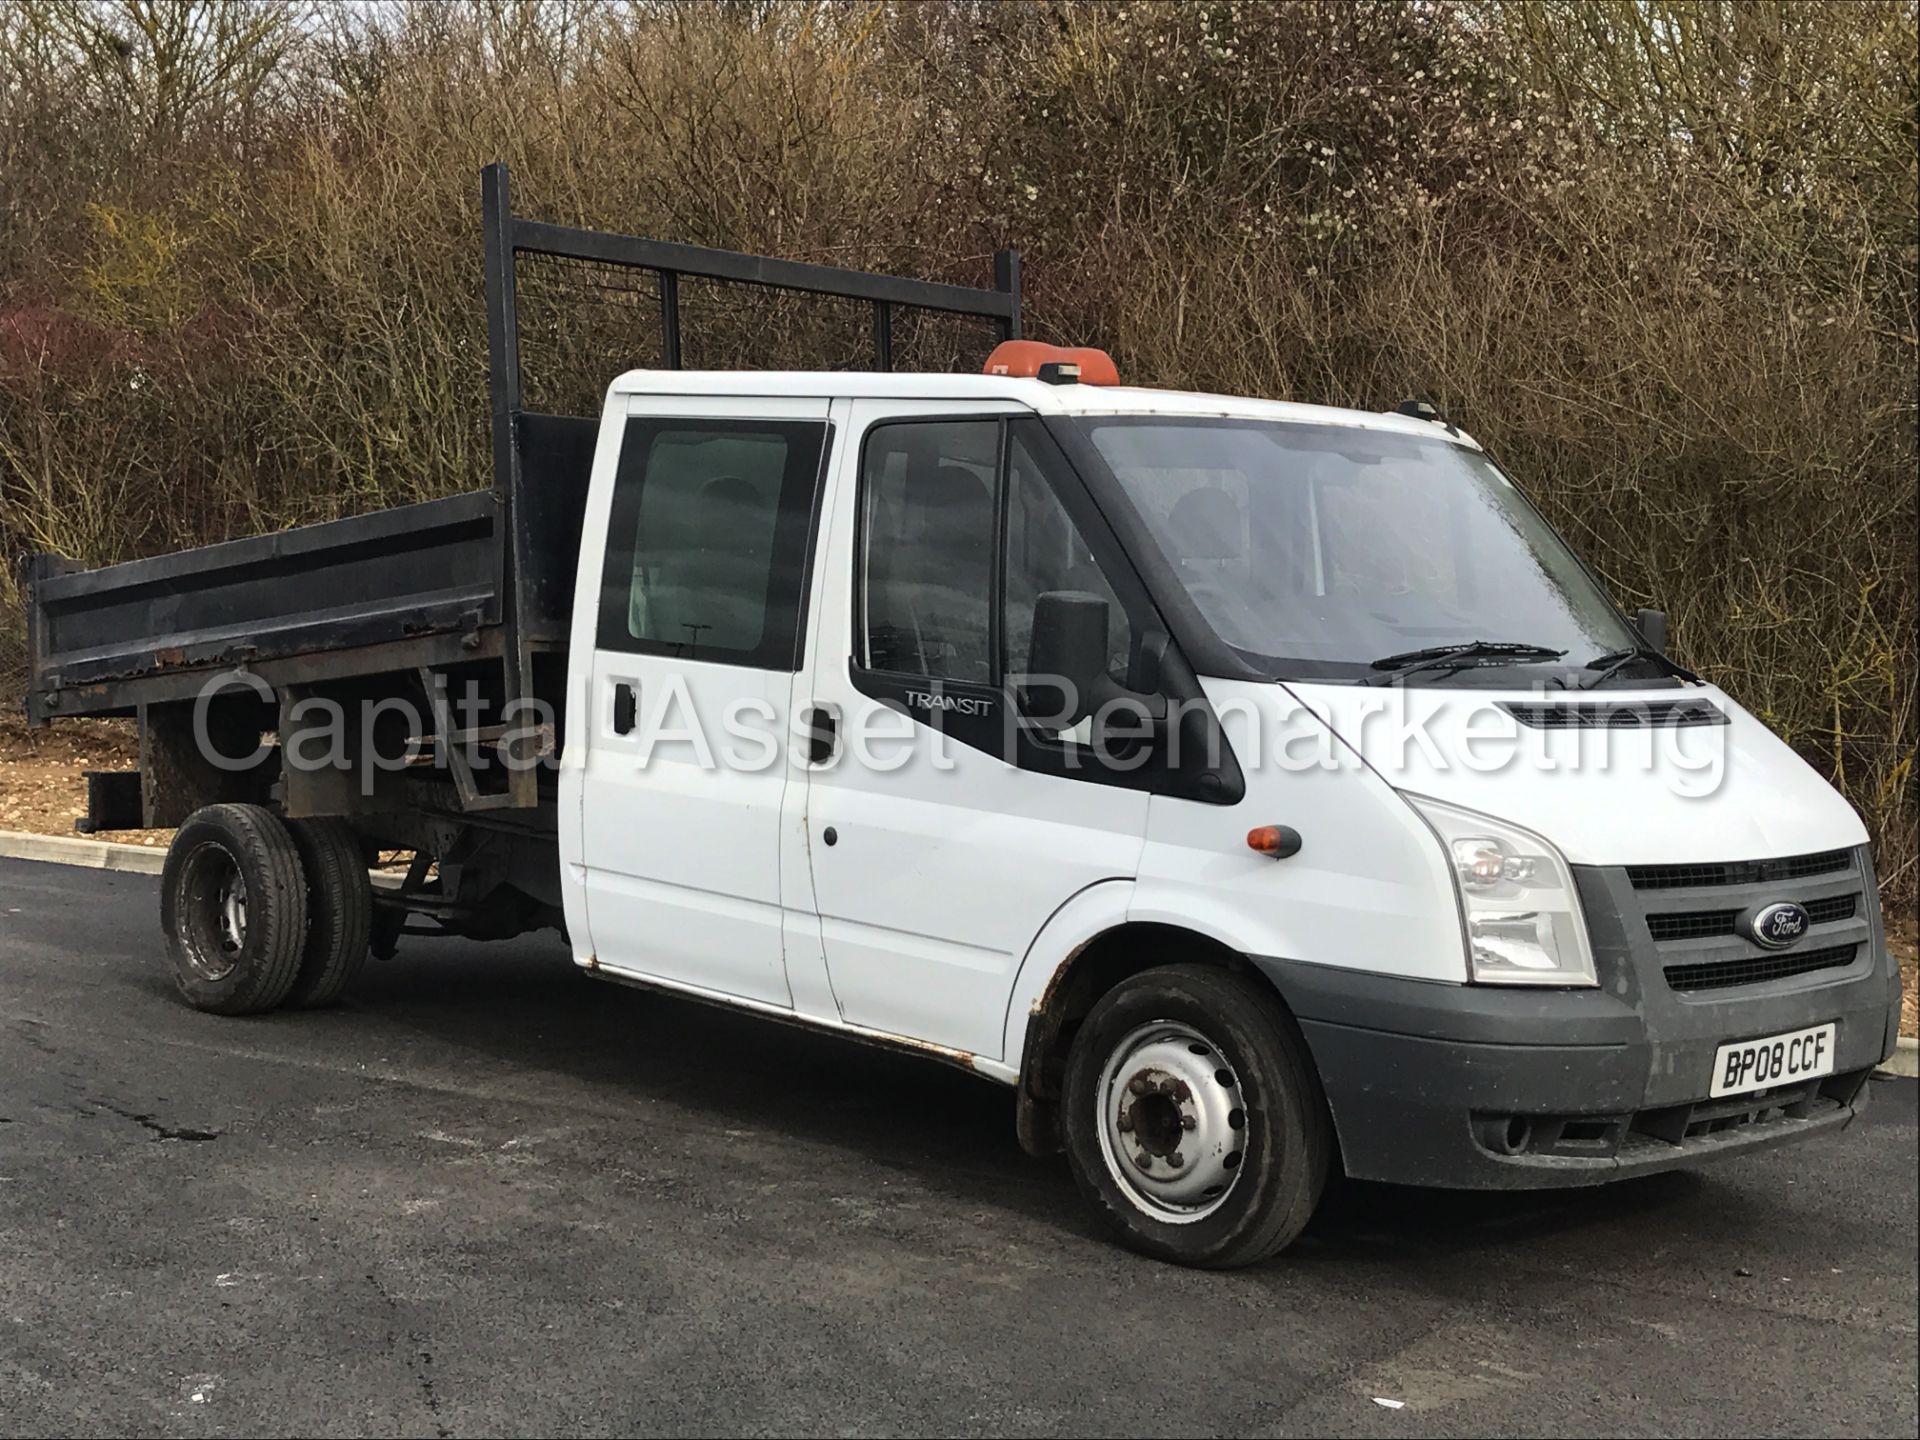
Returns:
point(1067, 678)
point(1652, 625)
point(1067, 666)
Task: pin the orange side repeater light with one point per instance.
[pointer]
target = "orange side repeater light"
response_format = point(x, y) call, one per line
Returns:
point(1278, 841)
point(1025, 359)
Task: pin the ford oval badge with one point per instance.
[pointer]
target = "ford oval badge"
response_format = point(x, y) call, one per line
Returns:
point(1781, 924)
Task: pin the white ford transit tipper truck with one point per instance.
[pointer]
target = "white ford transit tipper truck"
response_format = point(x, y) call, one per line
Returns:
point(1260, 790)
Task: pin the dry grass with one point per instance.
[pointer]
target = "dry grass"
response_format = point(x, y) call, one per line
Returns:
point(42, 775)
point(1903, 938)
point(1660, 256)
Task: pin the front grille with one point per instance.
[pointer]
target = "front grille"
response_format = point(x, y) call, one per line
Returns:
point(1616, 715)
point(1757, 969)
point(1738, 872)
point(1693, 925)
point(1704, 924)
point(1834, 907)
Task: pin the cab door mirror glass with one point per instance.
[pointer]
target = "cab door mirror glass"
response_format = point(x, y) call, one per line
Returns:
point(1066, 677)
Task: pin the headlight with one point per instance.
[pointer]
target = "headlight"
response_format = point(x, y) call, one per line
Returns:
point(1524, 925)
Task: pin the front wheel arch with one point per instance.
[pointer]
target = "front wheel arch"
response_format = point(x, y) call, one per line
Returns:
point(1077, 984)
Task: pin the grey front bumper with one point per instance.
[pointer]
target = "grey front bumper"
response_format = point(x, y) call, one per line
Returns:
point(1487, 1088)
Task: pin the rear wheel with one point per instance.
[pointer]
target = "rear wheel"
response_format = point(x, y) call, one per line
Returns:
point(1193, 1117)
point(234, 909)
point(339, 911)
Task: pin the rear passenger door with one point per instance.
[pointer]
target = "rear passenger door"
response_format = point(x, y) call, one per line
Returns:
point(699, 622)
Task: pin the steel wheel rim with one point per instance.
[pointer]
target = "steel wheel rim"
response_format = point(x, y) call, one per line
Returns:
point(214, 925)
point(1172, 1122)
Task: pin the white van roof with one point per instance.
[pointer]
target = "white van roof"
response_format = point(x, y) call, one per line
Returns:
point(1037, 395)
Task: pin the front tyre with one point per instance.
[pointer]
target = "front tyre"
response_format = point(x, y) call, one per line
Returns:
point(233, 905)
point(1193, 1116)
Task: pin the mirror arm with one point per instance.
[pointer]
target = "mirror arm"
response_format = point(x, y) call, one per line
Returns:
point(1107, 690)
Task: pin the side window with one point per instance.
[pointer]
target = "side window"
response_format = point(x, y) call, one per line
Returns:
point(707, 542)
point(928, 499)
point(962, 530)
point(1045, 551)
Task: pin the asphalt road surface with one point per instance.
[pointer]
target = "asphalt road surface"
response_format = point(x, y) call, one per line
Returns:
point(495, 1195)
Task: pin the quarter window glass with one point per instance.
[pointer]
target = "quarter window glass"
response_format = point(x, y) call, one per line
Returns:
point(927, 532)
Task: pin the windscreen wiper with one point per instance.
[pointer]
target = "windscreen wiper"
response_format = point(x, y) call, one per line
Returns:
point(1461, 656)
point(1604, 665)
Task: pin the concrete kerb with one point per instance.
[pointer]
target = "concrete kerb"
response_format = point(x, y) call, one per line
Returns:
point(104, 854)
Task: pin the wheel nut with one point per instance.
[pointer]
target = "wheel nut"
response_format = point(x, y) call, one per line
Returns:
point(1176, 1160)
point(1140, 1085)
point(1187, 1122)
point(1181, 1091)
point(1146, 1160)
point(1126, 1122)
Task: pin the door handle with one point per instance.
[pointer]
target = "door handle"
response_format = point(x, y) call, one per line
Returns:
point(823, 734)
point(626, 706)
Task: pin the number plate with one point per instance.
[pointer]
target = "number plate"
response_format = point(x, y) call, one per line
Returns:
point(1775, 1060)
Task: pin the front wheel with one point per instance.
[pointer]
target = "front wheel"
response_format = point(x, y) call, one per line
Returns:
point(233, 905)
point(1193, 1115)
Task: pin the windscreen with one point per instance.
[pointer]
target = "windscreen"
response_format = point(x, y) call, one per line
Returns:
point(1317, 551)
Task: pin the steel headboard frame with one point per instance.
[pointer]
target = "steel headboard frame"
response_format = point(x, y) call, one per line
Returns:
point(508, 237)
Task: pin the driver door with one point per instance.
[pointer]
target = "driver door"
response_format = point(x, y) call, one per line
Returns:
point(940, 836)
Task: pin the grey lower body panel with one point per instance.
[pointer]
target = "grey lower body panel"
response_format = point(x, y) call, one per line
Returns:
point(1422, 1110)
point(1487, 1088)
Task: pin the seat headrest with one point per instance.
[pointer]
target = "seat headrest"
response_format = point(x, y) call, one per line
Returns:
point(944, 492)
point(1205, 525)
point(728, 490)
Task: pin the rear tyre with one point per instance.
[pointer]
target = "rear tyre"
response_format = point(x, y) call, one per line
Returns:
point(1194, 1119)
point(234, 909)
point(339, 911)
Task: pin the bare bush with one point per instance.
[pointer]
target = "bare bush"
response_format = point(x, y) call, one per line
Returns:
point(1660, 256)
